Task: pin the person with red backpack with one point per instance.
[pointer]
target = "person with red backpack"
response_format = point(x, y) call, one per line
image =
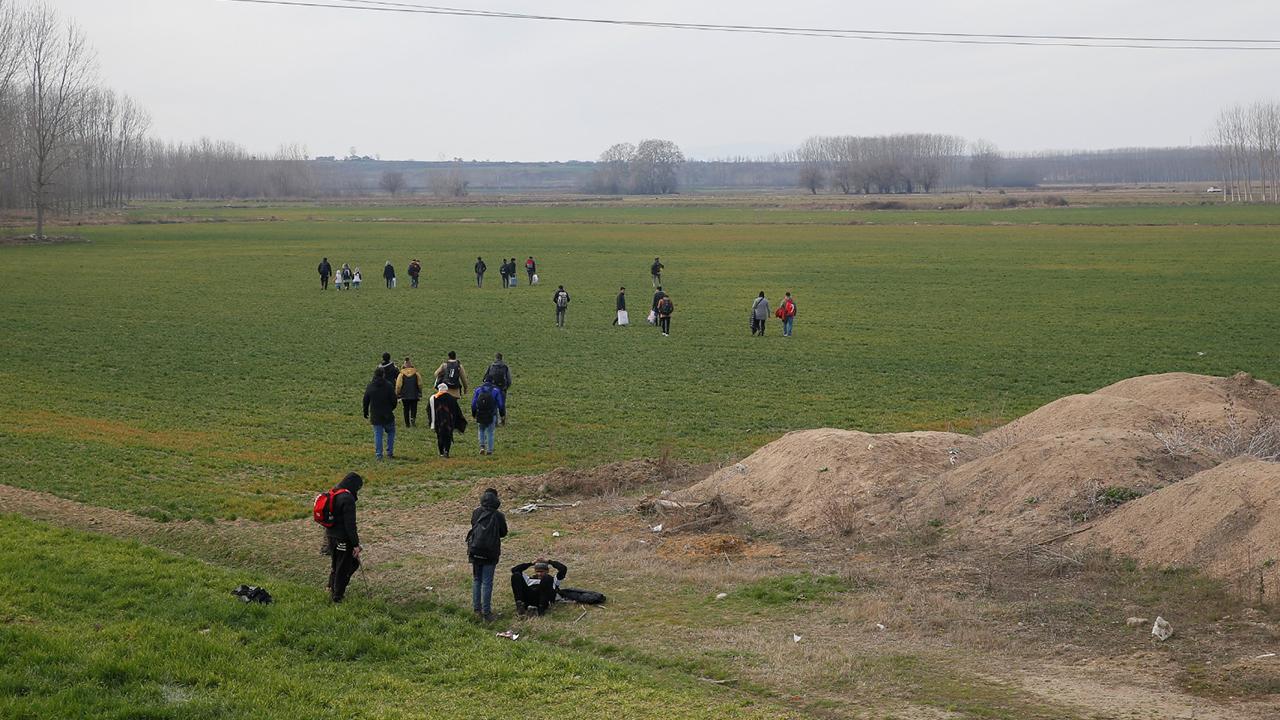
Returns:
point(787, 314)
point(336, 511)
point(484, 548)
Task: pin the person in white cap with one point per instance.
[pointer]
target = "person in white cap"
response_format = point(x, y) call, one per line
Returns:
point(446, 417)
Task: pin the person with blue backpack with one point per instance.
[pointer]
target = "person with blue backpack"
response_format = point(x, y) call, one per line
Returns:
point(488, 407)
point(484, 548)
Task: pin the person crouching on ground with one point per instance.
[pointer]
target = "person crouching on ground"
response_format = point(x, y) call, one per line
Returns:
point(484, 548)
point(344, 540)
point(535, 593)
point(446, 417)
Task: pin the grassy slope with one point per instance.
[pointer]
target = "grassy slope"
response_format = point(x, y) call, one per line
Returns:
point(200, 367)
point(101, 628)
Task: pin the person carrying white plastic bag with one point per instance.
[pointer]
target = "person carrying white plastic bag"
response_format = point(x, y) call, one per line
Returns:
point(622, 318)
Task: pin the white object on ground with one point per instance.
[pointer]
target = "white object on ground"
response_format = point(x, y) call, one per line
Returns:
point(1259, 657)
point(795, 637)
point(721, 596)
point(657, 528)
point(880, 627)
point(555, 534)
point(508, 634)
point(1162, 630)
point(1136, 621)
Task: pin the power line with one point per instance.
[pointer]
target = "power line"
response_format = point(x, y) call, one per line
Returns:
point(950, 38)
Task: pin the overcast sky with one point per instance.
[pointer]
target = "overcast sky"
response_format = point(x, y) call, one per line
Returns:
point(426, 87)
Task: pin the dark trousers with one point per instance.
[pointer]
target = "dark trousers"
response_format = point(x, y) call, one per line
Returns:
point(444, 439)
point(341, 567)
point(479, 279)
point(560, 316)
point(505, 282)
point(757, 326)
point(540, 596)
point(530, 273)
point(324, 282)
point(410, 412)
point(389, 283)
point(665, 323)
point(413, 280)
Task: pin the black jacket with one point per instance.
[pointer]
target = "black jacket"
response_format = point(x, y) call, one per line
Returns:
point(622, 301)
point(561, 569)
point(389, 371)
point(481, 267)
point(388, 272)
point(344, 513)
point(498, 374)
point(380, 402)
point(446, 406)
point(324, 268)
point(656, 297)
point(489, 504)
point(556, 298)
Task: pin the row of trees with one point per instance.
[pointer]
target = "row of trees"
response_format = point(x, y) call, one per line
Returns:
point(650, 168)
point(1247, 140)
point(885, 164)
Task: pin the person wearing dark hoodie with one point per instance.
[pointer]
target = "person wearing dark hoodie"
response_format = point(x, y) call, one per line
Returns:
point(380, 411)
point(480, 268)
point(388, 368)
point(446, 418)
point(409, 390)
point(484, 548)
point(325, 270)
point(343, 539)
point(535, 593)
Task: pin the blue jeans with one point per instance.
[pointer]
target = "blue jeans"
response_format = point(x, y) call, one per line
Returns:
point(390, 430)
point(486, 435)
point(482, 587)
point(786, 325)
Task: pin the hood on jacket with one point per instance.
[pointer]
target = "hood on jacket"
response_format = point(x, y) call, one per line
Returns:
point(409, 371)
point(352, 483)
point(489, 500)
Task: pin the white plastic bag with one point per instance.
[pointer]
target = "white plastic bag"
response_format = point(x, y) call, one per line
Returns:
point(534, 280)
point(623, 319)
point(653, 318)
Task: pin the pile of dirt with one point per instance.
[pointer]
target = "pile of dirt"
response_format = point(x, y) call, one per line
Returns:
point(1057, 469)
point(1225, 520)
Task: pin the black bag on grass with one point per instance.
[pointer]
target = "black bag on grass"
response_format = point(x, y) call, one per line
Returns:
point(586, 597)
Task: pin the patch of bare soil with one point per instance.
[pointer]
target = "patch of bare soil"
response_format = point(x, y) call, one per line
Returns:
point(46, 240)
point(607, 480)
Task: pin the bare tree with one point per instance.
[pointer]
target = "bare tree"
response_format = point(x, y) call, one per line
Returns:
point(811, 177)
point(654, 166)
point(60, 70)
point(392, 181)
point(984, 161)
point(452, 182)
point(613, 174)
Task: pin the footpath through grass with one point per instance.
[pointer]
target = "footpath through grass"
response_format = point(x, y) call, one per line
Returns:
point(95, 627)
point(197, 371)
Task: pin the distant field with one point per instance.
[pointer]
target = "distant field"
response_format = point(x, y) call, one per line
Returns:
point(195, 370)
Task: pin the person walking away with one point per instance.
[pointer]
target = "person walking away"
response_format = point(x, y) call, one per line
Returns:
point(561, 300)
point(484, 549)
point(480, 268)
point(787, 314)
point(388, 368)
point(759, 313)
point(325, 270)
point(512, 279)
point(389, 274)
point(620, 318)
point(452, 374)
point(380, 411)
point(415, 269)
point(500, 375)
point(655, 273)
point(487, 408)
point(504, 274)
point(535, 593)
point(346, 276)
point(409, 390)
point(530, 268)
point(355, 279)
point(653, 309)
point(665, 308)
point(446, 417)
point(343, 539)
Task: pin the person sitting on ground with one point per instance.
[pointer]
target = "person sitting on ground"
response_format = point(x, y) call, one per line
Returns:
point(535, 593)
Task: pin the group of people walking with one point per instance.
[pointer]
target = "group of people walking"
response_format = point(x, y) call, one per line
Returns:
point(508, 270)
point(533, 593)
point(347, 278)
point(786, 312)
point(405, 386)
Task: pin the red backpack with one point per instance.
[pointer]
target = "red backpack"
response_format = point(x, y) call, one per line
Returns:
point(323, 510)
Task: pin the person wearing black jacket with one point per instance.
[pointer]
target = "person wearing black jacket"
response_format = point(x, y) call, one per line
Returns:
point(343, 539)
point(389, 274)
point(325, 270)
point(484, 549)
point(655, 273)
point(621, 304)
point(446, 418)
point(480, 268)
point(535, 593)
point(388, 368)
point(561, 301)
point(654, 307)
point(499, 374)
point(380, 411)
point(530, 268)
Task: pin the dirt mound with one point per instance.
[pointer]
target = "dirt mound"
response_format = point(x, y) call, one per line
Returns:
point(805, 477)
point(1226, 520)
point(1200, 398)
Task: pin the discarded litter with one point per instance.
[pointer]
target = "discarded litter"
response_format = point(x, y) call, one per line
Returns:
point(536, 506)
point(721, 596)
point(555, 534)
point(252, 593)
point(1264, 655)
point(657, 528)
point(741, 468)
point(1162, 630)
point(880, 627)
point(509, 635)
point(1136, 621)
point(795, 637)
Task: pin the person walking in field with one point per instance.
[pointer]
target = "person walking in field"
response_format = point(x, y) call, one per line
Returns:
point(452, 374)
point(759, 313)
point(480, 268)
point(620, 316)
point(504, 270)
point(665, 308)
point(511, 272)
point(346, 276)
point(415, 270)
point(653, 308)
point(488, 409)
point(355, 279)
point(380, 411)
point(655, 273)
point(388, 368)
point(530, 268)
point(325, 270)
point(409, 390)
point(561, 300)
point(484, 549)
point(787, 314)
point(535, 593)
point(446, 418)
point(343, 539)
point(500, 375)
point(389, 274)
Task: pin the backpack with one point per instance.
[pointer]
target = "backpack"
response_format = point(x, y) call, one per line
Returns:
point(665, 306)
point(485, 407)
point(483, 541)
point(586, 597)
point(497, 374)
point(452, 371)
point(322, 512)
point(562, 299)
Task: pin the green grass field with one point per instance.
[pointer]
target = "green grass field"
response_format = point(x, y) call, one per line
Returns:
point(197, 370)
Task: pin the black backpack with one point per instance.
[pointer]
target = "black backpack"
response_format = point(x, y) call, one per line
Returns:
point(485, 407)
point(665, 306)
point(497, 374)
point(483, 540)
point(586, 597)
point(452, 371)
point(562, 299)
